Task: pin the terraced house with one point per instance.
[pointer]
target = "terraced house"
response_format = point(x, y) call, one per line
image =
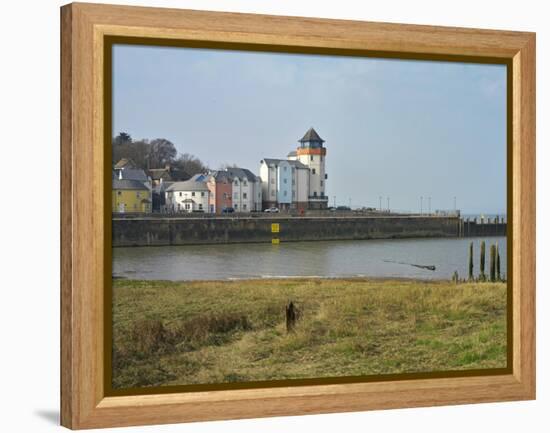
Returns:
point(130, 196)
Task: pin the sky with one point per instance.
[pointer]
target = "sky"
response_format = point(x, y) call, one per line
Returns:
point(402, 129)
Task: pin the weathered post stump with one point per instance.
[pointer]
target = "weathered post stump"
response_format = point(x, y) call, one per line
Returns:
point(291, 316)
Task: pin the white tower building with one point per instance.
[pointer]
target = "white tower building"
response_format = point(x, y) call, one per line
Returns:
point(312, 154)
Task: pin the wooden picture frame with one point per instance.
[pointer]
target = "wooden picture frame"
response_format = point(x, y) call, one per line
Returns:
point(85, 227)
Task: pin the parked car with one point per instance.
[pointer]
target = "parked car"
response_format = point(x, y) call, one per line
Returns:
point(344, 208)
point(272, 210)
point(228, 210)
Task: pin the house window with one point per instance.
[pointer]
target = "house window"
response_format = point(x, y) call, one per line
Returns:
point(284, 168)
point(138, 195)
point(244, 183)
point(119, 192)
point(236, 206)
point(326, 176)
point(284, 193)
point(312, 171)
point(236, 182)
point(311, 158)
point(293, 182)
point(314, 193)
point(180, 193)
point(235, 196)
point(202, 194)
point(244, 206)
point(321, 183)
point(186, 206)
point(200, 206)
point(284, 180)
point(244, 194)
point(193, 194)
point(225, 196)
point(272, 193)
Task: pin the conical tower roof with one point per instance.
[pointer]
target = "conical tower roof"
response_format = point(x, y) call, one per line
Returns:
point(311, 135)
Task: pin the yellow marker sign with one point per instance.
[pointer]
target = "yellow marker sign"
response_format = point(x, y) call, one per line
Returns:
point(275, 241)
point(275, 228)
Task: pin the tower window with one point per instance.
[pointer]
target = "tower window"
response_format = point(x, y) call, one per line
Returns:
point(312, 171)
point(311, 157)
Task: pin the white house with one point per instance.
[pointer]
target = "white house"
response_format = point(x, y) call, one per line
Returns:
point(188, 196)
point(299, 182)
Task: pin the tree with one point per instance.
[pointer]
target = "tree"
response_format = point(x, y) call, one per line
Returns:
point(227, 165)
point(189, 165)
point(471, 262)
point(161, 153)
point(122, 138)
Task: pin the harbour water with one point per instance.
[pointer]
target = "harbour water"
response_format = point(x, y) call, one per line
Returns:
point(357, 258)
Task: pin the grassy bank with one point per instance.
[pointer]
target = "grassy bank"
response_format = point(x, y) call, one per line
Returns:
point(168, 333)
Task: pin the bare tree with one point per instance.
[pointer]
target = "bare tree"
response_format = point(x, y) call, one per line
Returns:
point(228, 165)
point(189, 165)
point(161, 153)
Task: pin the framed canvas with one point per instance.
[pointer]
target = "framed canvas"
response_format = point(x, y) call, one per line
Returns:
point(266, 215)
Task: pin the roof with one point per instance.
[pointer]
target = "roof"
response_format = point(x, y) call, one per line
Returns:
point(241, 173)
point(199, 177)
point(157, 173)
point(220, 175)
point(292, 153)
point(129, 184)
point(125, 162)
point(161, 187)
point(293, 163)
point(133, 174)
point(188, 185)
point(311, 135)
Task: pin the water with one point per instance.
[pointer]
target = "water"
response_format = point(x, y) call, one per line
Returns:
point(304, 259)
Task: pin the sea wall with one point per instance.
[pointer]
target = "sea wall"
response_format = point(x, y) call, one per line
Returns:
point(158, 231)
point(493, 227)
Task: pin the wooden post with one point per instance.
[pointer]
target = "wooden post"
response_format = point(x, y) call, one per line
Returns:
point(290, 317)
point(492, 265)
point(498, 263)
point(471, 262)
point(482, 262)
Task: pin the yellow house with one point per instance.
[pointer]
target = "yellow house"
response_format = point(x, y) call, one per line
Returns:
point(130, 196)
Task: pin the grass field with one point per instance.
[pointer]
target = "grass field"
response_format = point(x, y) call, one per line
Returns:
point(167, 333)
